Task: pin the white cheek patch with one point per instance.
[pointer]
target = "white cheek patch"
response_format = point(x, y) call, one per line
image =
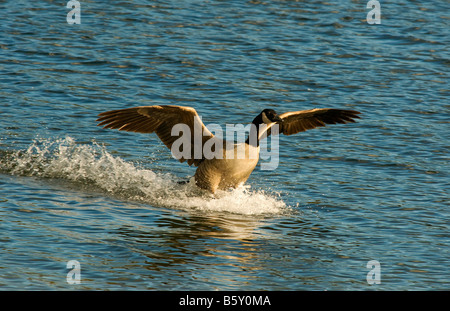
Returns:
point(265, 119)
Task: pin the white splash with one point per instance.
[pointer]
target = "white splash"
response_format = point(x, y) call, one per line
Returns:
point(91, 166)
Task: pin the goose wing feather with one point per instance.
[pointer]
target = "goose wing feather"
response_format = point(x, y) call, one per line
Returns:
point(159, 120)
point(300, 121)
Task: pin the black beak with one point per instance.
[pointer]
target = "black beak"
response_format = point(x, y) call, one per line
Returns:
point(277, 119)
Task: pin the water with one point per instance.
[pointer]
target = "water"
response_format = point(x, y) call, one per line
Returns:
point(341, 196)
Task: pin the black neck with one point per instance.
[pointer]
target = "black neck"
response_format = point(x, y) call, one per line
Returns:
point(255, 135)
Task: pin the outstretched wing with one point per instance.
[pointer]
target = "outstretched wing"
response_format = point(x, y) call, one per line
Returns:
point(160, 120)
point(300, 121)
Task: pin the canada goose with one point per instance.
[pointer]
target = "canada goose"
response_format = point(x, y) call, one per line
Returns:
point(226, 171)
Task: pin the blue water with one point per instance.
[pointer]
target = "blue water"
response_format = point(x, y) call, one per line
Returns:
point(341, 196)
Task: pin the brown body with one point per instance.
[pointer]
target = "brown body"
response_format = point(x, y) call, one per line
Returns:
point(226, 172)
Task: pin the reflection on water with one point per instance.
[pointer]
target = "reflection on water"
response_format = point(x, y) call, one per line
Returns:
point(199, 243)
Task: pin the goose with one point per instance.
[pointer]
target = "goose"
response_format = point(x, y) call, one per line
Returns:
point(225, 170)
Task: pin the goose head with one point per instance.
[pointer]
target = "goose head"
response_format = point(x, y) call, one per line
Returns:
point(268, 116)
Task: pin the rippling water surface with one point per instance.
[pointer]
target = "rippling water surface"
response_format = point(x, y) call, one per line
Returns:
point(340, 197)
